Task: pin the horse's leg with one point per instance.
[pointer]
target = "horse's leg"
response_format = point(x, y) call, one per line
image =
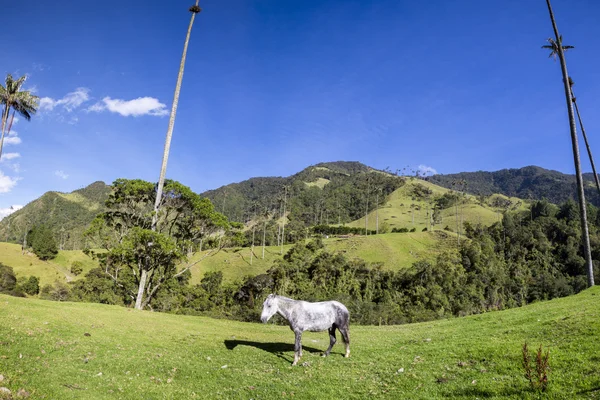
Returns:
point(297, 347)
point(345, 331)
point(332, 340)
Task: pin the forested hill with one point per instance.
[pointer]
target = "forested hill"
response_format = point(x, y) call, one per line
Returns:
point(332, 192)
point(67, 215)
point(527, 183)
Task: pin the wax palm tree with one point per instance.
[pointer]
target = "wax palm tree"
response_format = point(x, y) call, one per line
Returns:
point(558, 49)
point(20, 101)
point(195, 9)
point(587, 144)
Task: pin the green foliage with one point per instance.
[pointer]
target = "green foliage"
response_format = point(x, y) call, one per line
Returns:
point(58, 291)
point(131, 248)
point(339, 230)
point(8, 281)
point(76, 267)
point(42, 242)
point(31, 286)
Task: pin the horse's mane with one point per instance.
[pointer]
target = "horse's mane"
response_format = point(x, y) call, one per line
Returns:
point(283, 297)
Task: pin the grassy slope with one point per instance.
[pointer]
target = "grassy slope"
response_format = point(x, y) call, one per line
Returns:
point(132, 355)
point(397, 211)
point(394, 250)
point(48, 271)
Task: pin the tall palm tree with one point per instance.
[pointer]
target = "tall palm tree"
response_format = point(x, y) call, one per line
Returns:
point(558, 49)
point(20, 101)
point(163, 169)
point(195, 9)
point(587, 144)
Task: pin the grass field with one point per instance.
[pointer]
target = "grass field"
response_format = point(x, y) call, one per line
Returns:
point(48, 271)
point(403, 210)
point(91, 351)
point(395, 250)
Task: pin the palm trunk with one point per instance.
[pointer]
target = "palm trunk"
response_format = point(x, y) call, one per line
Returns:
point(4, 119)
point(264, 237)
point(377, 214)
point(587, 145)
point(283, 221)
point(582, 207)
point(163, 168)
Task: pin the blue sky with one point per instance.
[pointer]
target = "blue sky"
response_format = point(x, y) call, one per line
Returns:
point(272, 86)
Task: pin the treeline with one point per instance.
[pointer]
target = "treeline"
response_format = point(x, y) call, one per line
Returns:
point(522, 259)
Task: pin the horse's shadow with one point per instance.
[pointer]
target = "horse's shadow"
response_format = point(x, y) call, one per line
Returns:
point(275, 348)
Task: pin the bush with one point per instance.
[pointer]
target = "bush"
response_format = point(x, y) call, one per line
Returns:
point(57, 292)
point(31, 286)
point(8, 281)
point(76, 267)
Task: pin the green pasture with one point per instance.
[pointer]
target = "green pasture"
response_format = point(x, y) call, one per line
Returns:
point(54, 350)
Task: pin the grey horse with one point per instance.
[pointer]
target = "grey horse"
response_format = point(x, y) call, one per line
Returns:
point(315, 317)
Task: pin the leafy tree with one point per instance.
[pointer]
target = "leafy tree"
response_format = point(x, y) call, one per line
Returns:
point(31, 286)
point(8, 280)
point(20, 101)
point(42, 242)
point(59, 291)
point(130, 245)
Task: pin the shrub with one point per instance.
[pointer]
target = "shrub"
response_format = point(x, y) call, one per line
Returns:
point(57, 292)
point(76, 267)
point(31, 286)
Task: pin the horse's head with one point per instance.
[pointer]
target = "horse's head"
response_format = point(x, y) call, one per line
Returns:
point(269, 308)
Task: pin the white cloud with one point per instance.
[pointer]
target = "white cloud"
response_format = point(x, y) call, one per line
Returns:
point(12, 138)
point(425, 170)
point(61, 174)
point(137, 107)
point(69, 102)
point(4, 212)
point(7, 183)
point(9, 156)
point(15, 120)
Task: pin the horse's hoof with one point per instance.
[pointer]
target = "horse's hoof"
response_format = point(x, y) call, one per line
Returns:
point(323, 355)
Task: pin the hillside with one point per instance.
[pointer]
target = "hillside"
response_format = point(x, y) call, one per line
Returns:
point(333, 192)
point(58, 350)
point(526, 183)
point(67, 214)
point(414, 204)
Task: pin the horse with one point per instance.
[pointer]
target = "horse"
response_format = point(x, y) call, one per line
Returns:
point(315, 317)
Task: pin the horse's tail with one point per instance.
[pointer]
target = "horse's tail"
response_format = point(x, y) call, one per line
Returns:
point(344, 322)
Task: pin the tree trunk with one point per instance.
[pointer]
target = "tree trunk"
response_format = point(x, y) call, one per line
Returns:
point(582, 206)
point(587, 145)
point(141, 287)
point(283, 220)
point(4, 119)
point(163, 168)
point(264, 237)
point(377, 214)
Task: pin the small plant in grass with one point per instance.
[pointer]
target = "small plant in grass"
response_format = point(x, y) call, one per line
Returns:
point(536, 374)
